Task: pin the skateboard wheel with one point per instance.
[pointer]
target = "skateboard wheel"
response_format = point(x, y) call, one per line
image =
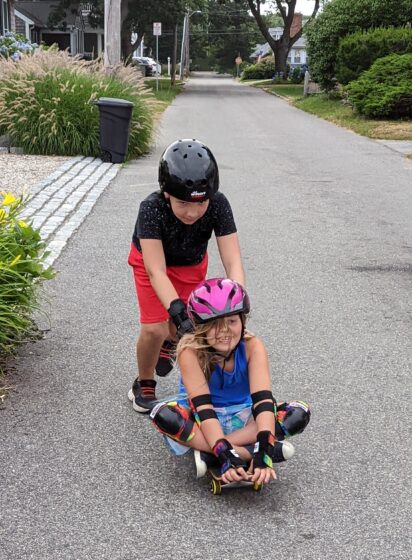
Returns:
point(215, 487)
point(257, 487)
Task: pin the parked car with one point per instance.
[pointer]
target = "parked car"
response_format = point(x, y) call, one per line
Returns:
point(154, 65)
point(147, 64)
point(143, 63)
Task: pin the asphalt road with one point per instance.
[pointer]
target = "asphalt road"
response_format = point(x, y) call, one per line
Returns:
point(325, 224)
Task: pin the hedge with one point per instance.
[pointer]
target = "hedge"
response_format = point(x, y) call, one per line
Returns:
point(357, 52)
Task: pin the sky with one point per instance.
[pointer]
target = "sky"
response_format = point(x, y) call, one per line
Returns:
point(305, 6)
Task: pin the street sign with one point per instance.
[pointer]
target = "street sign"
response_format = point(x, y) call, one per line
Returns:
point(157, 28)
point(238, 60)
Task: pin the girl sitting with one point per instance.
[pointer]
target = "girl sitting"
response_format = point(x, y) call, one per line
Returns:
point(225, 409)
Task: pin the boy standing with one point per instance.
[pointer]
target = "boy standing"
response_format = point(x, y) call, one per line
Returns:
point(169, 255)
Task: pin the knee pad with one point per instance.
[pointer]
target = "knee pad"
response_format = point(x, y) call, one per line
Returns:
point(174, 420)
point(291, 419)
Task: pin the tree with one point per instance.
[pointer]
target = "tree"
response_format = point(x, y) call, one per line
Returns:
point(224, 30)
point(341, 17)
point(281, 46)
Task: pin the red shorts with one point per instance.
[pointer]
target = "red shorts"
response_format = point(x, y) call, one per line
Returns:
point(183, 278)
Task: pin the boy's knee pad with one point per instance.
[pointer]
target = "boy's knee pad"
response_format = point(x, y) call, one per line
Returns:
point(174, 420)
point(291, 419)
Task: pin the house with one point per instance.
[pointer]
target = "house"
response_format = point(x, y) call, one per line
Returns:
point(297, 55)
point(74, 33)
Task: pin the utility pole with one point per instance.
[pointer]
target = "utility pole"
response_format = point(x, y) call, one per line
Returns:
point(183, 49)
point(111, 33)
point(185, 53)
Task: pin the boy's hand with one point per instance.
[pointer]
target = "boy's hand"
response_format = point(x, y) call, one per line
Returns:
point(178, 314)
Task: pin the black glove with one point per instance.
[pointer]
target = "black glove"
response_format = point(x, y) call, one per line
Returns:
point(264, 451)
point(227, 456)
point(178, 314)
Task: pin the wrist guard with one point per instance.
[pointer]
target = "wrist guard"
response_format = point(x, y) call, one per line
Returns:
point(264, 450)
point(227, 456)
point(178, 314)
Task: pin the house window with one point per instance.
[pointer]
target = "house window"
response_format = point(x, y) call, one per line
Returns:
point(297, 57)
point(5, 24)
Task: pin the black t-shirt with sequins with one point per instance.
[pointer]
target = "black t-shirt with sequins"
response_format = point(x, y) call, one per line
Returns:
point(183, 244)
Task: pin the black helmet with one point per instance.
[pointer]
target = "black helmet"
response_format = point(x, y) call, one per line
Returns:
point(188, 171)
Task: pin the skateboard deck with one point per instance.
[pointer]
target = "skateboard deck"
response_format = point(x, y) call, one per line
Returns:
point(217, 484)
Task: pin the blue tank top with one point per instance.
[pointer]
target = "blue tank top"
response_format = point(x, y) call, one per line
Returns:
point(230, 388)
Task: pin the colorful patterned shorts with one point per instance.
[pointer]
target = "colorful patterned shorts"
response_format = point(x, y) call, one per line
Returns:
point(231, 418)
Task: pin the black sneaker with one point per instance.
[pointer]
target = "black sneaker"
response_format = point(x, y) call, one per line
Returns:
point(166, 356)
point(143, 395)
point(204, 461)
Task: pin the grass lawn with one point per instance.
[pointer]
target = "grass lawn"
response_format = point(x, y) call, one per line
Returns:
point(335, 111)
point(166, 93)
point(292, 91)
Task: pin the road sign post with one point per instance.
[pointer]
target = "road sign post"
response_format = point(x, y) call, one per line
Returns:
point(157, 31)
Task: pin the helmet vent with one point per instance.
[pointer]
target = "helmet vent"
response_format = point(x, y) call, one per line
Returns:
point(189, 183)
point(200, 155)
point(175, 149)
point(185, 156)
point(189, 146)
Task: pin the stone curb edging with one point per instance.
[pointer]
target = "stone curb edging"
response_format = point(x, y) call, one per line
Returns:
point(59, 204)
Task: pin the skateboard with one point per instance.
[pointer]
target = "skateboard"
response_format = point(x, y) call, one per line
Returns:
point(217, 485)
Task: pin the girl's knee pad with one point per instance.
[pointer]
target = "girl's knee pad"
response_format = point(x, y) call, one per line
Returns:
point(174, 420)
point(291, 419)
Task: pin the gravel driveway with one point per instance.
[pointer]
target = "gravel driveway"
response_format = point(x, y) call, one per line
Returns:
point(19, 173)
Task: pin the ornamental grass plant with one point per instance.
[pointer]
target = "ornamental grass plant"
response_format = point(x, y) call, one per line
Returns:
point(22, 270)
point(47, 103)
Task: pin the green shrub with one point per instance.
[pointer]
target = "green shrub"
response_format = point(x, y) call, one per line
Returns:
point(263, 70)
point(47, 104)
point(22, 254)
point(385, 90)
point(357, 52)
point(297, 75)
point(341, 17)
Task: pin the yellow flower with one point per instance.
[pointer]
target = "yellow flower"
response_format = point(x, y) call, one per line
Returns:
point(15, 260)
point(8, 199)
point(21, 223)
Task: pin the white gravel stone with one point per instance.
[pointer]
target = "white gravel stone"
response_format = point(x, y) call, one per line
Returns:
point(19, 173)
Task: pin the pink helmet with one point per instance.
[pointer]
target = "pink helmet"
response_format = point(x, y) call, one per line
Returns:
point(216, 298)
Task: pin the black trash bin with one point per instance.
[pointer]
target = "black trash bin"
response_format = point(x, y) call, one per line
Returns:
point(115, 118)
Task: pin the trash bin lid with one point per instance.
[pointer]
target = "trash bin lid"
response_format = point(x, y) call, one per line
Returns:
point(113, 101)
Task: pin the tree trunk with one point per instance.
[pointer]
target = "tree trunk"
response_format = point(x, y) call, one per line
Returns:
point(125, 37)
point(174, 58)
point(281, 50)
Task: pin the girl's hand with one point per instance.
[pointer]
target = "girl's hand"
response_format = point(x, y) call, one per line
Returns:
point(234, 475)
point(261, 476)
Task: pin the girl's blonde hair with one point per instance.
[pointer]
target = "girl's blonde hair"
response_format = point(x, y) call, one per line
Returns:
point(197, 342)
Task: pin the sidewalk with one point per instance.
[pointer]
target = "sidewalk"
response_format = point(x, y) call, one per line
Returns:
point(61, 202)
